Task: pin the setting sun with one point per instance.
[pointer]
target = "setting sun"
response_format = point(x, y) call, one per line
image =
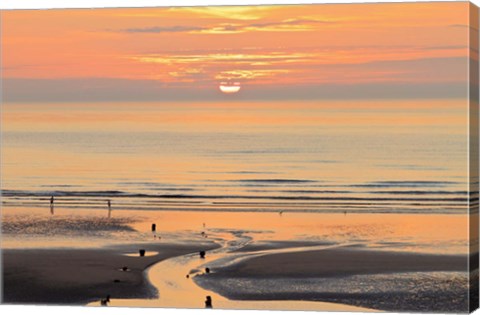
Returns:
point(230, 88)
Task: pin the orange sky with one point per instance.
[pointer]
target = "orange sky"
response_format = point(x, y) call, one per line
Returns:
point(268, 47)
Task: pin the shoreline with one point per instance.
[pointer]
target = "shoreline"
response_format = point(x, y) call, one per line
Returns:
point(302, 209)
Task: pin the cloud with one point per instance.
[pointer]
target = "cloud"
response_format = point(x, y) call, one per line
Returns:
point(244, 13)
point(459, 25)
point(163, 29)
point(327, 65)
point(228, 58)
point(291, 22)
point(464, 26)
point(289, 25)
point(249, 74)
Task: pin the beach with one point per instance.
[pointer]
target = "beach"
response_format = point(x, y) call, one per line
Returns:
point(381, 280)
point(273, 262)
point(80, 276)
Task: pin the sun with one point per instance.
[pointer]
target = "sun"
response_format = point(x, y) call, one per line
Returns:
point(229, 87)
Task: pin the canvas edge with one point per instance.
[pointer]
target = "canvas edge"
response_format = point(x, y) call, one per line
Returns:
point(1, 155)
point(125, 4)
point(473, 164)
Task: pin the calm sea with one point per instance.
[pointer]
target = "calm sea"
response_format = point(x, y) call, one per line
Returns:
point(337, 156)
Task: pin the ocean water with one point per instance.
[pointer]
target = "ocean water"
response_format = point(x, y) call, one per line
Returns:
point(374, 157)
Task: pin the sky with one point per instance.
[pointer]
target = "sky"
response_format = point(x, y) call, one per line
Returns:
point(295, 52)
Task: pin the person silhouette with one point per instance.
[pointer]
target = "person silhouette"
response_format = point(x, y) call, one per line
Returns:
point(105, 301)
point(52, 210)
point(109, 205)
point(208, 302)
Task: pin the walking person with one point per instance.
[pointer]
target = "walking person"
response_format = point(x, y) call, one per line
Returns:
point(109, 205)
point(52, 210)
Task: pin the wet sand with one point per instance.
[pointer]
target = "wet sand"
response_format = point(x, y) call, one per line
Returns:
point(175, 280)
point(272, 245)
point(80, 276)
point(344, 261)
point(352, 275)
point(259, 260)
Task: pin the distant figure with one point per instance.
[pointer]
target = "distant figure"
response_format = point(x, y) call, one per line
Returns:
point(52, 209)
point(280, 213)
point(202, 254)
point(345, 212)
point(204, 224)
point(207, 270)
point(208, 302)
point(109, 204)
point(105, 301)
point(187, 276)
point(154, 229)
point(141, 252)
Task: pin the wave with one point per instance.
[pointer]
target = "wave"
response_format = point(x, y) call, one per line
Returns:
point(275, 181)
point(284, 208)
point(60, 186)
point(419, 192)
point(417, 183)
point(58, 193)
point(303, 191)
point(116, 193)
point(383, 192)
point(171, 189)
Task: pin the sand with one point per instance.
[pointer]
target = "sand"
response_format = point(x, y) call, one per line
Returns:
point(383, 280)
point(271, 245)
point(80, 276)
point(342, 262)
point(263, 257)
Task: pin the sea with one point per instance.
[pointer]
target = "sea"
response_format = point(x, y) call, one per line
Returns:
point(402, 156)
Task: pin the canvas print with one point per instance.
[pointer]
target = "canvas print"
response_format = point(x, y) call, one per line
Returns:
point(285, 157)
